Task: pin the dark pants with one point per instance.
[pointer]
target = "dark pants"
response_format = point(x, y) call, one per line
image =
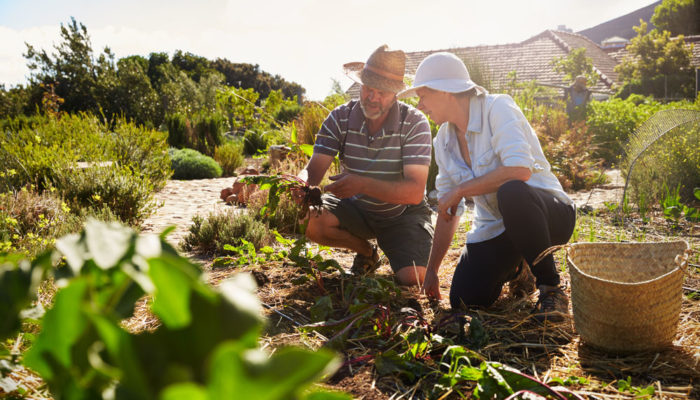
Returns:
point(534, 221)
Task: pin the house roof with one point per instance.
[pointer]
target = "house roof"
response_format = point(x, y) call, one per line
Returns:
point(692, 40)
point(530, 59)
point(621, 26)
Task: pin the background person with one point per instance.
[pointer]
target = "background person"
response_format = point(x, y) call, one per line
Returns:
point(486, 150)
point(576, 98)
point(384, 147)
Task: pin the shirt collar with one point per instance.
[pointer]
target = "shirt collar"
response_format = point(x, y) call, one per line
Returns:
point(476, 103)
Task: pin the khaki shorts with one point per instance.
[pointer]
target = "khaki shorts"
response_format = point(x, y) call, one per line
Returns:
point(405, 240)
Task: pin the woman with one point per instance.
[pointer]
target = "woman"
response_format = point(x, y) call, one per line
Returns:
point(487, 151)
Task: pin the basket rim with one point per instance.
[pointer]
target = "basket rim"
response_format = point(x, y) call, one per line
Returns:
point(585, 244)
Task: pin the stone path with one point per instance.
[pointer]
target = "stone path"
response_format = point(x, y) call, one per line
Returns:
point(182, 200)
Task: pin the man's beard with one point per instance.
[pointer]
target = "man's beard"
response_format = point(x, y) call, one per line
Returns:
point(373, 115)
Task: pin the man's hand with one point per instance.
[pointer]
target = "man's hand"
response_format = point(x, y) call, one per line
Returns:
point(431, 285)
point(345, 185)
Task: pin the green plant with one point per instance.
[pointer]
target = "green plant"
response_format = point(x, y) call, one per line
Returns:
point(213, 233)
point(143, 150)
point(625, 385)
point(255, 141)
point(83, 351)
point(30, 221)
point(230, 157)
point(177, 126)
point(191, 164)
point(127, 194)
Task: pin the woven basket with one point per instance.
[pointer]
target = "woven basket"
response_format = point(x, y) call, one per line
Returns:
point(626, 297)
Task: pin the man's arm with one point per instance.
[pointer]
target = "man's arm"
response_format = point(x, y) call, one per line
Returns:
point(316, 168)
point(409, 190)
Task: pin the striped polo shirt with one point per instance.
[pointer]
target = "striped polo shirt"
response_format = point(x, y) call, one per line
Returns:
point(403, 139)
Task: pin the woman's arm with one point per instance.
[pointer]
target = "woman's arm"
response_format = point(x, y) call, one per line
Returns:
point(444, 232)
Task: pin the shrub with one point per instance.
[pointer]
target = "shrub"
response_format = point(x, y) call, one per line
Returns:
point(567, 148)
point(191, 164)
point(144, 150)
point(288, 113)
point(31, 221)
point(230, 157)
point(285, 218)
point(208, 132)
point(210, 234)
point(671, 161)
point(310, 122)
point(127, 195)
point(35, 153)
point(177, 127)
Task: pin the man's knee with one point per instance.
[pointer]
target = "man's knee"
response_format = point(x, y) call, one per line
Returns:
point(317, 225)
point(411, 276)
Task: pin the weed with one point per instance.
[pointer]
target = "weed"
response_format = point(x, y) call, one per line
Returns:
point(213, 233)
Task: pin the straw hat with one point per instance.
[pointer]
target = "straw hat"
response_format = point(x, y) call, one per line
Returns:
point(442, 71)
point(383, 70)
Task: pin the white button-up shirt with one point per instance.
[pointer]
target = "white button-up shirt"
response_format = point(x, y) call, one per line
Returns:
point(498, 134)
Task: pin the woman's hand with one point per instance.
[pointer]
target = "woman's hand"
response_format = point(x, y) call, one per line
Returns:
point(431, 284)
point(448, 204)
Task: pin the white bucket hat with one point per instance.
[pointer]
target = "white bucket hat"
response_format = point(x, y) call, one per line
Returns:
point(442, 71)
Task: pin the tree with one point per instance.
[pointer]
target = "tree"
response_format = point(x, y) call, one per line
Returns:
point(248, 76)
point(574, 64)
point(676, 16)
point(72, 69)
point(656, 65)
point(13, 101)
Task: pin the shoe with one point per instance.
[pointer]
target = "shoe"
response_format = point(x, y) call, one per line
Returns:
point(552, 306)
point(523, 284)
point(363, 265)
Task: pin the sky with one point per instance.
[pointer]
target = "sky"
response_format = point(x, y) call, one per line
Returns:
point(304, 41)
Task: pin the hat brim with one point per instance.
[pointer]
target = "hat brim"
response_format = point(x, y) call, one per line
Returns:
point(359, 74)
point(443, 85)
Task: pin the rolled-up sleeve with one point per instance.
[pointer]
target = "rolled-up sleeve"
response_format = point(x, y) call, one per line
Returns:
point(510, 129)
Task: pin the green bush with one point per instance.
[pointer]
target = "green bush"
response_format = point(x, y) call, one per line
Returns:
point(230, 157)
point(144, 150)
point(35, 153)
point(611, 122)
point(288, 113)
point(210, 234)
point(672, 161)
point(286, 216)
point(191, 164)
point(208, 132)
point(31, 221)
point(127, 194)
point(177, 126)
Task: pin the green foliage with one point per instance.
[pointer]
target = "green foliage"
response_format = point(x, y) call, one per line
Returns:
point(39, 151)
point(255, 141)
point(574, 64)
point(13, 101)
point(84, 352)
point(191, 164)
point(213, 233)
point(248, 76)
point(143, 150)
point(177, 126)
point(672, 161)
point(30, 221)
point(611, 122)
point(230, 157)
point(676, 16)
point(525, 93)
point(653, 58)
point(127, 194)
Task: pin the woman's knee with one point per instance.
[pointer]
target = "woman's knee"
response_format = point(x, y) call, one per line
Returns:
point(511, 191)
point(481, 295)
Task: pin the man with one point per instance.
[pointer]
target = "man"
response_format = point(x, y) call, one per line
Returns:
point(576, 97)
point(384, 147)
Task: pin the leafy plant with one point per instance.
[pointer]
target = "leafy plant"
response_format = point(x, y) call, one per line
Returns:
point(83, 351)
point(217, 230)
point(191, 164)
point(230, 157)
